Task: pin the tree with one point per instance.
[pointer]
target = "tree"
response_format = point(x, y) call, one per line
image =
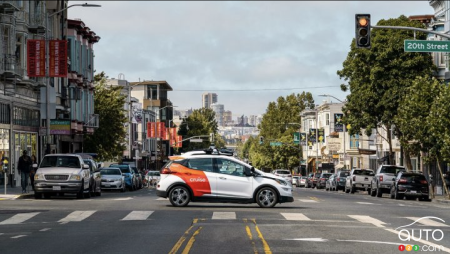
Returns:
point(108, 140)
point(200, 123)
point(378, 78)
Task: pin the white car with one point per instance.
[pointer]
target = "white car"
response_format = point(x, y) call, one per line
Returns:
point(219, 178)
point(152, 178)
point(284, 173)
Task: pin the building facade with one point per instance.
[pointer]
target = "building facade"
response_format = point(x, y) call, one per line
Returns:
point(218, 109)
point(208, 99)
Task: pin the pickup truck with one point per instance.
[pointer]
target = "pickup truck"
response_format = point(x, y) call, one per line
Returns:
point(359, 179)
point(383, 179)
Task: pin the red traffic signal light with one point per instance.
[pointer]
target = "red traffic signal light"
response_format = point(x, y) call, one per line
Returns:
point(362, 30)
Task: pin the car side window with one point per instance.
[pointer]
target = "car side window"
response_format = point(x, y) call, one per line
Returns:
point(203, 164)
point(229, 167)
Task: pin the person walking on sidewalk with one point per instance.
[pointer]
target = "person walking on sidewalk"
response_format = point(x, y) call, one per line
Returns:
point(24, 166)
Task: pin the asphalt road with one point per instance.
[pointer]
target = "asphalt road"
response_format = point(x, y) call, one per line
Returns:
point(140, 222)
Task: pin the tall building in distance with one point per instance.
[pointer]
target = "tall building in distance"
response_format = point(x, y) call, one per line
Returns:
point(227, 118)
point(218, 109)
point(208, 99)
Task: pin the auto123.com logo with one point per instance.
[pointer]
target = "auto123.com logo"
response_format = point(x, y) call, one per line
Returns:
point(408, 234)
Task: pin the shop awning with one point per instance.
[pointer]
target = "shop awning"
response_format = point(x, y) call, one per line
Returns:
point(310, 159)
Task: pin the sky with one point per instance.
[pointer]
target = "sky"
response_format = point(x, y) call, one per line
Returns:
point(247, 52)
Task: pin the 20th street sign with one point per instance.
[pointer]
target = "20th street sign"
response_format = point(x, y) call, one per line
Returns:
point(426, 46)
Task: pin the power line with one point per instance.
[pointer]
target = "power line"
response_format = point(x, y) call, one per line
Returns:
point(251, 90)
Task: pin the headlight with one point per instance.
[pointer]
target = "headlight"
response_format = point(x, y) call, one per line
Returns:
point(75, 178)
point(39, 177)
point(281, 182)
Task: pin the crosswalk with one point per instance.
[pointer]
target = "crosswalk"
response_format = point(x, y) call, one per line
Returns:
point(64, 217)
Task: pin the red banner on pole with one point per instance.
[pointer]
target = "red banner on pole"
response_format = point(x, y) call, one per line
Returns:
point(161, 129)
point(151, 130)
point(36, 58)
point(179, 141)
point(58, 58)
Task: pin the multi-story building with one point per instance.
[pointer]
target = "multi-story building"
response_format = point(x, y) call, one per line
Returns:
point(39, 113)
point(208, 99)
point(228, 118)
point(218, 109)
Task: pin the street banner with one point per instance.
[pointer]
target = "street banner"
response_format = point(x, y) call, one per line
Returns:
point(296, 138)
point(338, 125)
point(300, 137)
point(179, 141)
point(312, 137)
point(160, 126)
point(173, 132)
point(57, 58)
point(321, 133)
point(164, 133)
point(151, 130)
point(36, 58)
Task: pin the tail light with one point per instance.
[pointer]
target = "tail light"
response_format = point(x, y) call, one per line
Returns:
point(381, 178)
point(423, 182)
point(354, 178)
point(338, 179)
point(166, 171)
point(402, 181)
point(322, 179)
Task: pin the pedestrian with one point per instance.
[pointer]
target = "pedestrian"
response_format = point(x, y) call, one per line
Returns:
point(24, 166)
point(32, 170)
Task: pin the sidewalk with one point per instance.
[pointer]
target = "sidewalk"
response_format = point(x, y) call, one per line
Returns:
point(441, 199)
point(15, 192)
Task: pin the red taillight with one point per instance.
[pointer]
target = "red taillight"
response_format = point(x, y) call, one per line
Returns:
point(423, 182)
point(402, 181)
point(381, 178)
point(338, 179)
point(354, 178)
point(322, 179)
point(166, 171)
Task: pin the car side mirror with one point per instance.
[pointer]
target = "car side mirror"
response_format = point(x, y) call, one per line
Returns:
point(248, 172)
point(85, 166)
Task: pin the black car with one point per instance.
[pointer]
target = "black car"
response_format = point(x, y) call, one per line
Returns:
point(340, 178)
point(410, 185)
point(322, 180)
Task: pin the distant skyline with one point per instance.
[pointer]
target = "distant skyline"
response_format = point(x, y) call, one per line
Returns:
point(248, 53)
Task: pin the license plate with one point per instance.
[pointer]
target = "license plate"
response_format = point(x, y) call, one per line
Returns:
point(413, 191)
point(56, 187)
point(107, 185)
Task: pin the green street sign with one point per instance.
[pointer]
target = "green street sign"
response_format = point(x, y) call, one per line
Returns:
point(426, 46)
point(276, 143)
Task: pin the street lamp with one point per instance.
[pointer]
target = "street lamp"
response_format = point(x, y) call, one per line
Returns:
point(345, 157)
point(47, 95)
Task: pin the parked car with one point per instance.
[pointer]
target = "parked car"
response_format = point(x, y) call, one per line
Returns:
point(60, 174)
point(309, 178)
point(138, 175)
point(410, 185)
point(284, 173)
point(340, 178)
point(330, 185)
point(295, 181)
point(130, 177)
point(359, 179)
point(112, 179)
point(95, 179)
point(313, 180)
point(383, 179)
point(152, 178)
point(302, 181)
point(322, 180)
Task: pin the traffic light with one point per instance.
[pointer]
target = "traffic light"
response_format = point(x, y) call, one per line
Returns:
point(261, 140)
point(362, 30)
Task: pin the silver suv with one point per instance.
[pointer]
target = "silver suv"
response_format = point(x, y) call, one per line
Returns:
point(383, 179)
point(286, 174)
point(62, 173)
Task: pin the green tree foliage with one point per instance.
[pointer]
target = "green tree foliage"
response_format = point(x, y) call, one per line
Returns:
point(200, 123)
point(109, 139)
point(378, 78)
point(438, 122)
point(281, 120)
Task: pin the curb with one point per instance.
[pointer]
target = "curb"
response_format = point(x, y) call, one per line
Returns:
point(24, 196)
point(442, 201)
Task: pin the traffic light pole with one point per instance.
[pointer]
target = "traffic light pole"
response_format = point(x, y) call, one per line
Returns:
point(413, 29)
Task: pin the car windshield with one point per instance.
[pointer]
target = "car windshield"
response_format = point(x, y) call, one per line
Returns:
point(282, 172)
point(326, 175)
point(110, 171)
point(135, 170)
point(60, 161)
point(123, 168)
point(391, 170)
point(317, 175)
point(416, 178)
point(153, 173)
point(363, 172)
point(342, 174)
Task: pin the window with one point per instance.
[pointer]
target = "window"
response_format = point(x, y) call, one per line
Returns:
point(203, 164)
point(354, 141)
point(327, 119)
point(230, 167)
point(152, 92)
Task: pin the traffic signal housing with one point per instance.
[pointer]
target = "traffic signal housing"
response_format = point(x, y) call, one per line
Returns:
point(261, 140)
point(362, 30)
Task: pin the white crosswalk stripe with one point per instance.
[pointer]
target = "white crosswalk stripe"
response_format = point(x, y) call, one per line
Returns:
point(295, 216)
point(308, 200)
point(77, 216)
point(18, 218)
point(427, 222)
point(123, 199)
point(138, 215)
point(367, 219)
point(224, 216)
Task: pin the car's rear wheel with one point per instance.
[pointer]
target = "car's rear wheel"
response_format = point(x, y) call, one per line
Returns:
point(372, 191)
point(266, 197)
point(379, 193)
point(398, 196)
point(99, 192)
point(179, 196)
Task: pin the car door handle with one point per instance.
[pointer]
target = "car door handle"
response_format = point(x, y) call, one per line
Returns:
point(223, 178)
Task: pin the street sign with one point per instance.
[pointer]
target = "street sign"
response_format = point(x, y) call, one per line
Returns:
point(196, 140)
point(426, 46)
point(276, 143)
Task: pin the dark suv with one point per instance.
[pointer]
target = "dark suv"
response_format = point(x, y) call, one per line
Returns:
point(340, 178)
point(322, 180)
point(410, 185)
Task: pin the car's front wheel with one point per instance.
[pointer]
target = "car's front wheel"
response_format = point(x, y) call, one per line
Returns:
point(266, 197)
point(179, 196)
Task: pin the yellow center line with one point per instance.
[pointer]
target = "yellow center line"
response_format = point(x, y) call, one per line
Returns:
point(250, 236)
point(265, 245)
point(191, 241)
point(314, 198)
point(182, 239)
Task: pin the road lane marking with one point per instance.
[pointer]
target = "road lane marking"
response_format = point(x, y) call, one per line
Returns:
point(182, 238)
point(368, 219)
point(366, 203)
point(161, 199)
point(224, 216)
point(308, 239)
point(18, 236)
point(308, 200)
point(295, 216)
point(77, 216)
point(18, 218)
point(364, 241)
point(123, 199)
point(45, 229)
point(265, 245)
point(191, 241)
point(427, 222)
point(138, 215)
point(250, 236)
